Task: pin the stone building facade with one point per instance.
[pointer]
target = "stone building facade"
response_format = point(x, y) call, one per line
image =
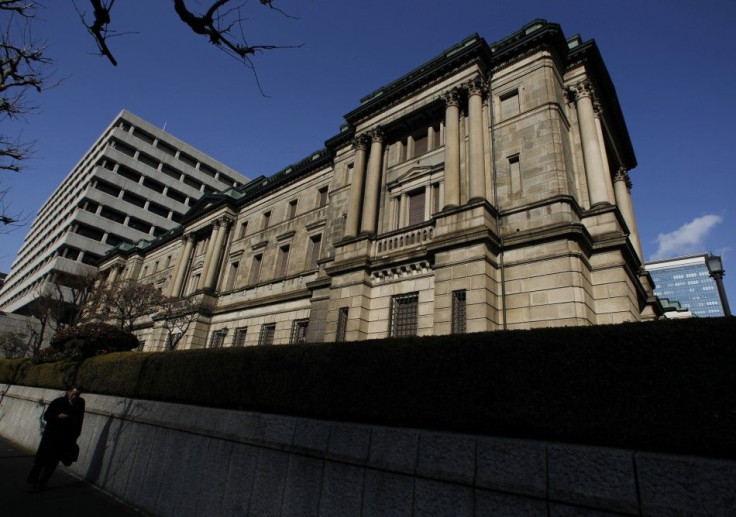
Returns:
point(487, 189)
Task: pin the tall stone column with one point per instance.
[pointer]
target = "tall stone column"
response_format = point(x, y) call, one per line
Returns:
point(592, 156)
point(182, 265)
point(208, 255)
point(356, 188)
point(476, 158)
point(452, 148)
point(372, 183)
point(114, 273)
point(622, 188)
point(213, 261)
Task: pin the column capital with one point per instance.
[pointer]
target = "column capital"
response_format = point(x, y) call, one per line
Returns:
point(187, 237)
point(452, 97)
point(223, 221)
point(118, 267)
point(376, 134)
point(580, 90)
point(623, 175)
point(477, 86)
point(360, 142)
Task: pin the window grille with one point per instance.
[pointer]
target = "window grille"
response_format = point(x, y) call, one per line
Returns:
point(218, 338)
point(342, 324)
point(299, 332)
point(267, 333)
point(239, 337)
point(404, 312)
point(416, 207)
point(459, 314)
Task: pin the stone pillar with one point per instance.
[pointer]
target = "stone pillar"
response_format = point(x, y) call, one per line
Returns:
point(592, 156)
point(356, 188)
point(213, 262)
point(114, 273)
point(182, 264)
point(476, 158)
point(372, 183)
point(452, 149)
point(622, 188)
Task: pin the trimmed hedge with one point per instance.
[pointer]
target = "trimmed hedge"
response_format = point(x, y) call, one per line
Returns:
point(663, 386)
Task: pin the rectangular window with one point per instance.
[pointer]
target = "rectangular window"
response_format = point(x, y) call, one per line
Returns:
point(509, 104)
point(266, 220)
point(435, 198)
point(282, 262)
point(218, 338)
point(416, 207)
point(243, 229)
point(292, 209)
point(514, 174)
point(153, 185)
point(299, 332)
point(458, 312)
point(148, 160)
point(232, 276)
point(267, 333)
point(404, 315)
point(255, 269)
point(166, 148)
point(420, 144)
point(239, 336)
point(171, 172)
point(315, 246)
point(322, 197)
point(134, 199)
point(342, 324)
point(127, 173)
point(113, 215)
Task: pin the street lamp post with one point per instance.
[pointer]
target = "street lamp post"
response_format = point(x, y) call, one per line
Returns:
point(715, 268)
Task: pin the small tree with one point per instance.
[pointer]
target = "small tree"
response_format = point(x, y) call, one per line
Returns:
point(177, 315)
point(126, 301)
point(13, 343)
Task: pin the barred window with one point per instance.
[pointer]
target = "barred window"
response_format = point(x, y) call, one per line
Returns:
point(267, 333)
point(342, 324)
point(239, 336)
point(404, 312)
point(218, 338)
point(458, 312)
point(299, 331)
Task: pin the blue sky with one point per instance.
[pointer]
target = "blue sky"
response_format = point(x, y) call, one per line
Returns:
point(671, 61)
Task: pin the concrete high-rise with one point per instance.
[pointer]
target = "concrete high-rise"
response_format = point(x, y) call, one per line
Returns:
point(134, 184)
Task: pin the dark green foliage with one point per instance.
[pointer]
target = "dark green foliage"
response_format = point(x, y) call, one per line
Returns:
point(87, 340)
point(56, 375)
point(9, 369)
point(662, 386)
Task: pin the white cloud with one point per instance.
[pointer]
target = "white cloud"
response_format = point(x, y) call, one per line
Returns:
point(687, 239)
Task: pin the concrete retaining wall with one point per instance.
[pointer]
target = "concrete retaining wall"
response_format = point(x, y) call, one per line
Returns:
point(172, 459)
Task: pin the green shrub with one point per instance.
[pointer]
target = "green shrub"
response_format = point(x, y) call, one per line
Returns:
point(56, 375)
point(88, 340)
point(9, 369)
point(113, 374)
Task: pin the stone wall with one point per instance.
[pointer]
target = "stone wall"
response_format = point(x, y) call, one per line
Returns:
point(173, 459)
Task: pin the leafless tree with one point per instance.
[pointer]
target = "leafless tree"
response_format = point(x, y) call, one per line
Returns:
point(13, 344)
point(126, 301)
point(177, 314)
point(24, 69)
point(222, 23)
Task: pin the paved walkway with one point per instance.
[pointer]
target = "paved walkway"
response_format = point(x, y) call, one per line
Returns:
point(64, 494)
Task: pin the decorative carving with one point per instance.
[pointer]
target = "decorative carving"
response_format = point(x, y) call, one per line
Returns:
point(477, 86)
point(452, 97)
point(360, 143)
point(623, 175)
point(376, 134)
point(224, 221)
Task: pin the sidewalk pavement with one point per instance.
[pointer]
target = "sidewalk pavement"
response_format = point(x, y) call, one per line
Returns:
point(64, 494)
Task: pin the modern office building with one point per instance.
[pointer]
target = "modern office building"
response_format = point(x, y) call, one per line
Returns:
point(486, 189)
point(135, 183)
point(688, 281)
